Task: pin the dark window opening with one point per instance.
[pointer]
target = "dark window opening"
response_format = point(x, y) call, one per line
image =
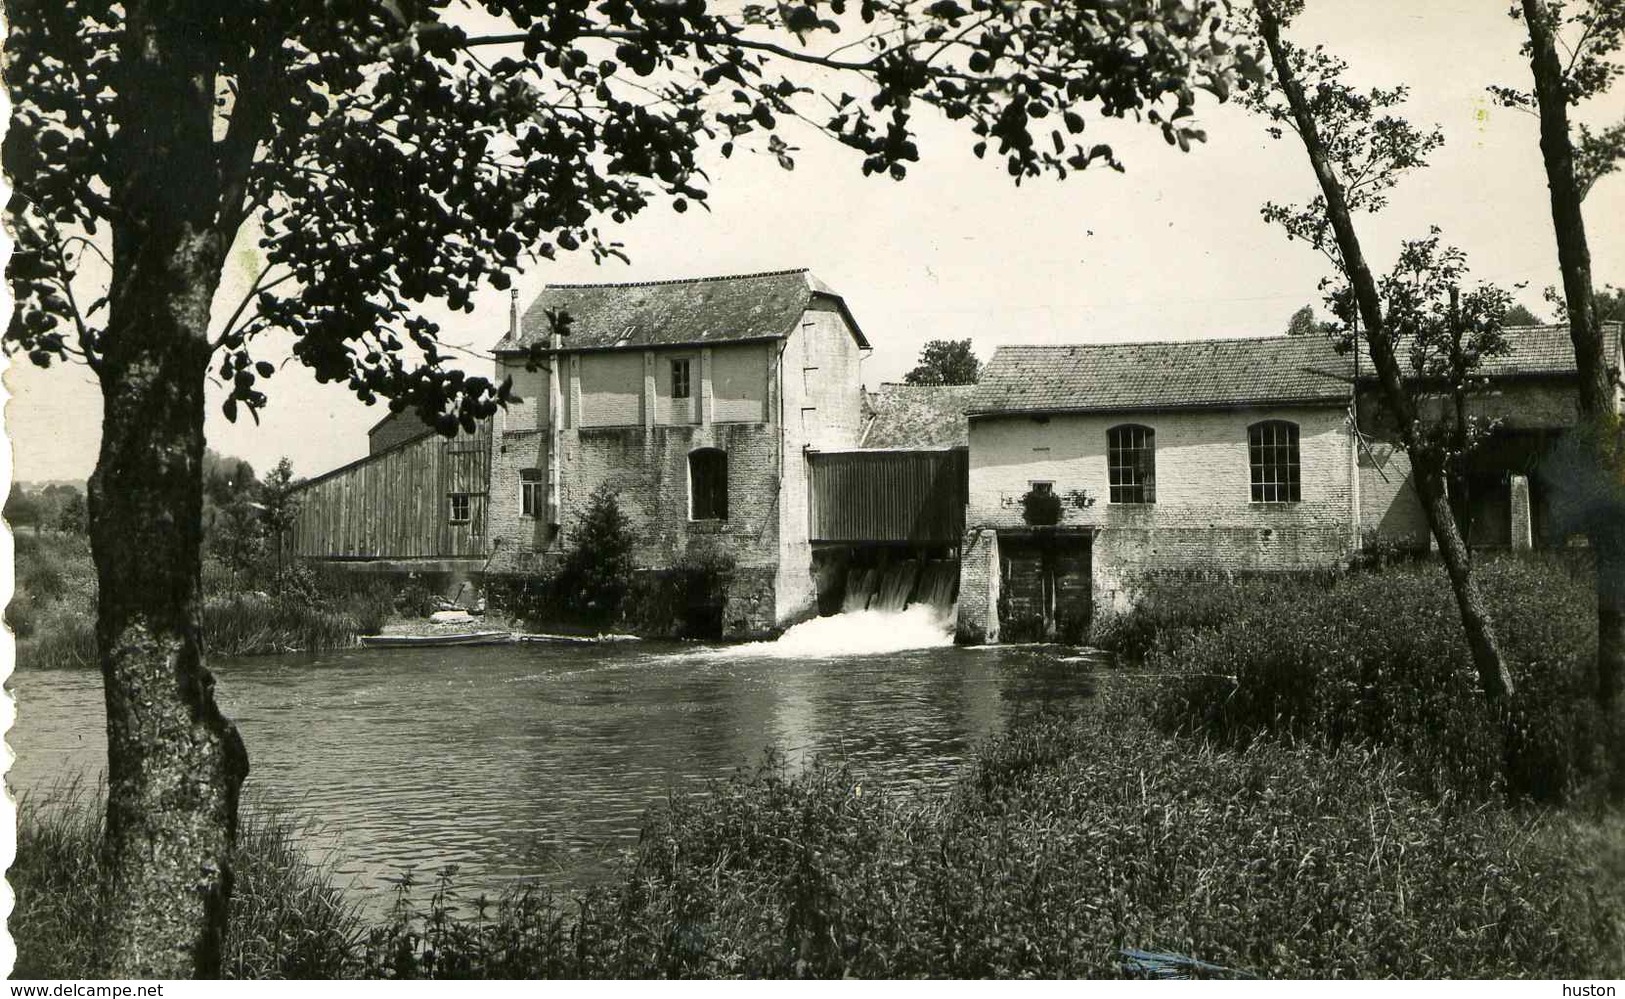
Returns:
point(459, 508)
point(708, 484)
point(1042, 488)
point(679, 379)
point(1272, 453)
point(1131, 462)
point(530, 492)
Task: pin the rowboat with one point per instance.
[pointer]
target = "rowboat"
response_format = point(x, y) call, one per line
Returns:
point(430, 641)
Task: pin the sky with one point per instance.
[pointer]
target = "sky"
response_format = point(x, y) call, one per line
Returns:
point(1174, 248)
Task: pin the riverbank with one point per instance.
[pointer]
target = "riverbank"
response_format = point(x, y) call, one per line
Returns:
point(53, 612)
point(1058, 846)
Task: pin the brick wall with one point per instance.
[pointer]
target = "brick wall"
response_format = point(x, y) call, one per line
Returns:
point(978, 609)
point(1203, 517)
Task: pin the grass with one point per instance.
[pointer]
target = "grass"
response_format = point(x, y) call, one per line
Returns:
point(1064, 843)
point(287, 918)
point(54, 610)
point(1379, 657)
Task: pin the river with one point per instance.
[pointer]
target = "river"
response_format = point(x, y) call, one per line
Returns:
point(538, 760)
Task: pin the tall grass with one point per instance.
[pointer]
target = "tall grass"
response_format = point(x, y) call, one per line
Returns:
point(1064, 844)
point(1379, 656)
point(254, 624)
point(287, 919)
point(54, 610)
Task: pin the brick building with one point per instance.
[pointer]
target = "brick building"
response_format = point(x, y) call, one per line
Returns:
point(1226, 455)
point(697, 402)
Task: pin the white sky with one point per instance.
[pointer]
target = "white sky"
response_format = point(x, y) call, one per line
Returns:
point(1173, 249)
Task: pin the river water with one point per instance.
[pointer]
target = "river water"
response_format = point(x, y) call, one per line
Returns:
point(539, 761)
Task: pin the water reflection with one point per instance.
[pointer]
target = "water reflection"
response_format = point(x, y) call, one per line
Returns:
point(540, 761)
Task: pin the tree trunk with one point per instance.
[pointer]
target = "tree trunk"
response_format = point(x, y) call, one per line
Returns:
point(1598, 498)
point(1493, 676)
point(175, 764)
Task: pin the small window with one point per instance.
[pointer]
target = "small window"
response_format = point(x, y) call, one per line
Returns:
point(459, 508)
point(708, 484)
point(1272, 452)
point(1131, 463)
point(679, 379)
point(530, 492)
point(1041, 488)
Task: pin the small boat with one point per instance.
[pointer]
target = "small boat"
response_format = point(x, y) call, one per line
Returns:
point(578, 639)
point(424, 641)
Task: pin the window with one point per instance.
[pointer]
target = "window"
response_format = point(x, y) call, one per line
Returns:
point(708, 484)
point(1041, 488)
point(530, 492)
point(1131, 463)
point(1272, 451)
point(679, 378)
point(459, 508)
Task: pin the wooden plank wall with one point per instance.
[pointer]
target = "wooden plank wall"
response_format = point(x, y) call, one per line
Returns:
point(396, 504)
point(889, 496)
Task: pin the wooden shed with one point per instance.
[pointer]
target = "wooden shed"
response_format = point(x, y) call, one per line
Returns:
point(424, 497)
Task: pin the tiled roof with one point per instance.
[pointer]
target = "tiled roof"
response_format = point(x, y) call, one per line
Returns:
point(690, 311)
point(1219, 373)
point(1162, 375)
point(917, 416)
point(1536, 350)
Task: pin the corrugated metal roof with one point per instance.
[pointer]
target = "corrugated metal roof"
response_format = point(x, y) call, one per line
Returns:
point(921, 416)
point(1162, 375)
point(689, 311)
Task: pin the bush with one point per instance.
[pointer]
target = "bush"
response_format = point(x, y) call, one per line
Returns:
point(1041, 509)
point(1380, 657)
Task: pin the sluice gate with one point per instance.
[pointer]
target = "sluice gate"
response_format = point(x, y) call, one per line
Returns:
point(886, 527)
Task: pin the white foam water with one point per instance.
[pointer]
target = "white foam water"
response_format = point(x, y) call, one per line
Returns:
point(856, 633)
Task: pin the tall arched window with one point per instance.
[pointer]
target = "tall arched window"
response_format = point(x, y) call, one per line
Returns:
point(1272, 452)
point(1131, 461)
point(708, 484)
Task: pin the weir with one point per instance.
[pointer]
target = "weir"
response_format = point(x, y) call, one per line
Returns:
point(901, 585)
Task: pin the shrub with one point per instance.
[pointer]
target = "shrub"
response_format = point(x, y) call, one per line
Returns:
point(597, 570)
point(1041, 508)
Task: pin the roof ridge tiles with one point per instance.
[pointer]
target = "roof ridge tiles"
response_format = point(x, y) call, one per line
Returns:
point(672, 281)
point(1270, 338)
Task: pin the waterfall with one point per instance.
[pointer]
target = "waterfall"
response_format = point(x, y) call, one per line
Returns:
point(908, 604)
point(860, 587)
